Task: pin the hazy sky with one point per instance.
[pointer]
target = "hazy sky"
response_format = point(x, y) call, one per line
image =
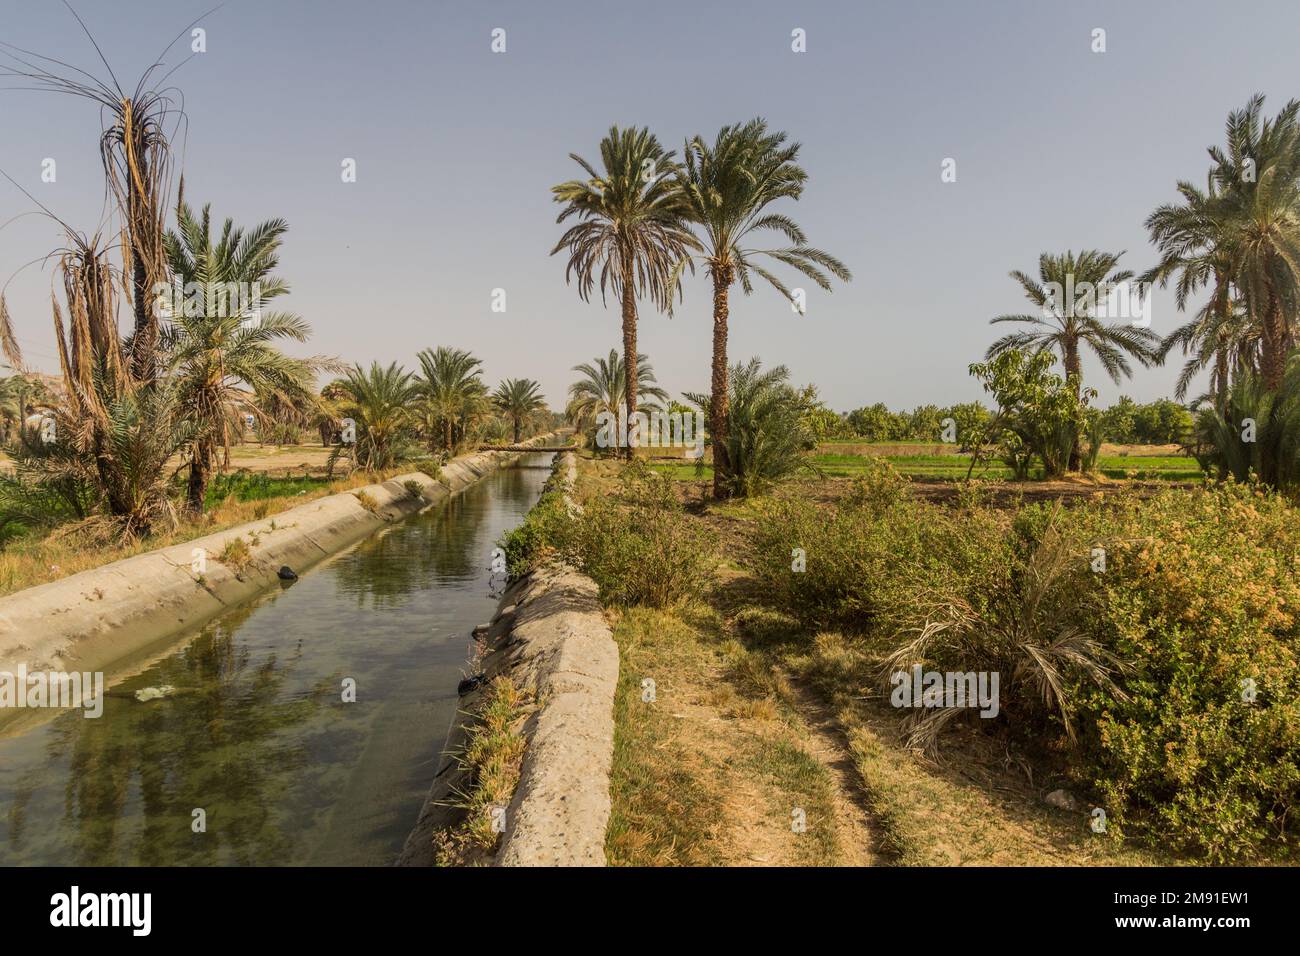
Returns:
point(456, 147)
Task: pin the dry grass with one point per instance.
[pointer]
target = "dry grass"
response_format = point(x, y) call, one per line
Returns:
point(979, 805)
point(715, 770)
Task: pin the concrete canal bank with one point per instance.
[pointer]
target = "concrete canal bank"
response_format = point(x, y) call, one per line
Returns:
point(107, 615)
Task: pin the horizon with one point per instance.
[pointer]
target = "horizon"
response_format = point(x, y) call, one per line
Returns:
point(452, 201)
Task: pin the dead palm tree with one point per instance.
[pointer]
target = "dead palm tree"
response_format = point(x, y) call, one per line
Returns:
point(728, 186)
point(138, 126)
point(629, 232)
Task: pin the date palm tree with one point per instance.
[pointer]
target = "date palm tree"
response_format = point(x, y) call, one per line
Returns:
point(603, 387)
point(728, 186)
point(219, 347)
point(1259, 174)
point(452, 388)
point(1192, 240)
point(1065, 323)
point(518, 398)
point(379, 402)
point(629, 233)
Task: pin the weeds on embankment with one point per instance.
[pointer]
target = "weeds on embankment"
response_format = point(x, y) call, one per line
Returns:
point(492, 757)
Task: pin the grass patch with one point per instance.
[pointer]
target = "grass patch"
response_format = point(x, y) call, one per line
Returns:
point(236, 555)
point(253, 486)
point(667, 805)
point(493, 756)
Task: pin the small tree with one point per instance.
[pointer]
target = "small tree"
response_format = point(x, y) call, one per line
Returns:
point(1039, 413)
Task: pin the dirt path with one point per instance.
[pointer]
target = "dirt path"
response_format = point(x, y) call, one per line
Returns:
point(826, 742)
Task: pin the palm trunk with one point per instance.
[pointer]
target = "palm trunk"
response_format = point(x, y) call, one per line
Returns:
point(1273, 369)
point(629, 349)
point(1074, 372)
point(517, 423)
point(1221, 380)
point(718, 401)
point(197, 487)
point(1222, 307)
point(144, 344)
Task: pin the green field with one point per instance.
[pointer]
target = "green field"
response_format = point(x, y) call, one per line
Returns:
point(954, 467)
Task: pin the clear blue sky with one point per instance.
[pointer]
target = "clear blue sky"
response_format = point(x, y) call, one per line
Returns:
point(456, 148)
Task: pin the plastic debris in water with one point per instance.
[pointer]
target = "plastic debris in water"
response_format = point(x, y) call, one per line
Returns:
point(154, 693)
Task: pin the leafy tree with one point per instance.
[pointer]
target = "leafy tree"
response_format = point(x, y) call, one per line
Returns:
point(877, 423)
point(1039, 414)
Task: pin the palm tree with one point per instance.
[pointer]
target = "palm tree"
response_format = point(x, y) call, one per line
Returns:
point(1192, 242)
point(1064, 326)
point(1260, 207)
point(379, 403)
point(518, 398)
point(768, 435)
point(603, 386)
point(219, 348)
point(453, 391)
point(630, 230)
point(135, 152)
point(728, 186)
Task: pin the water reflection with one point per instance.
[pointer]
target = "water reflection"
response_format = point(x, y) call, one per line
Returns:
point(255, 733)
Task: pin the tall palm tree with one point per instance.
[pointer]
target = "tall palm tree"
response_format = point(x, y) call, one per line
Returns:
point(603, 387)
point(453, 391)
point(219, 348)
point(1260, 178)
point(518, 398)
point(728, 186)
point(379, 401)
point(1065, 326)
point(630, 230)
point(1193, 245)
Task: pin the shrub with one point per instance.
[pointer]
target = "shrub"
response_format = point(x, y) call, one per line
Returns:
point(768, 433)
point(640, 547)
point(236, 554)
point(541, 534)
point(863, 560)
point(1201, 598)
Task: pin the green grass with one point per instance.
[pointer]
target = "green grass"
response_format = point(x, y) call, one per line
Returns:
point(954, 467)
point(245, 486)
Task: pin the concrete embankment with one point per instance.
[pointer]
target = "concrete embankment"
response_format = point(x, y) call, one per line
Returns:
point(112, 614)
point(550, 637)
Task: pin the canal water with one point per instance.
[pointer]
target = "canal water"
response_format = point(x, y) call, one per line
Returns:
point(255, 732)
